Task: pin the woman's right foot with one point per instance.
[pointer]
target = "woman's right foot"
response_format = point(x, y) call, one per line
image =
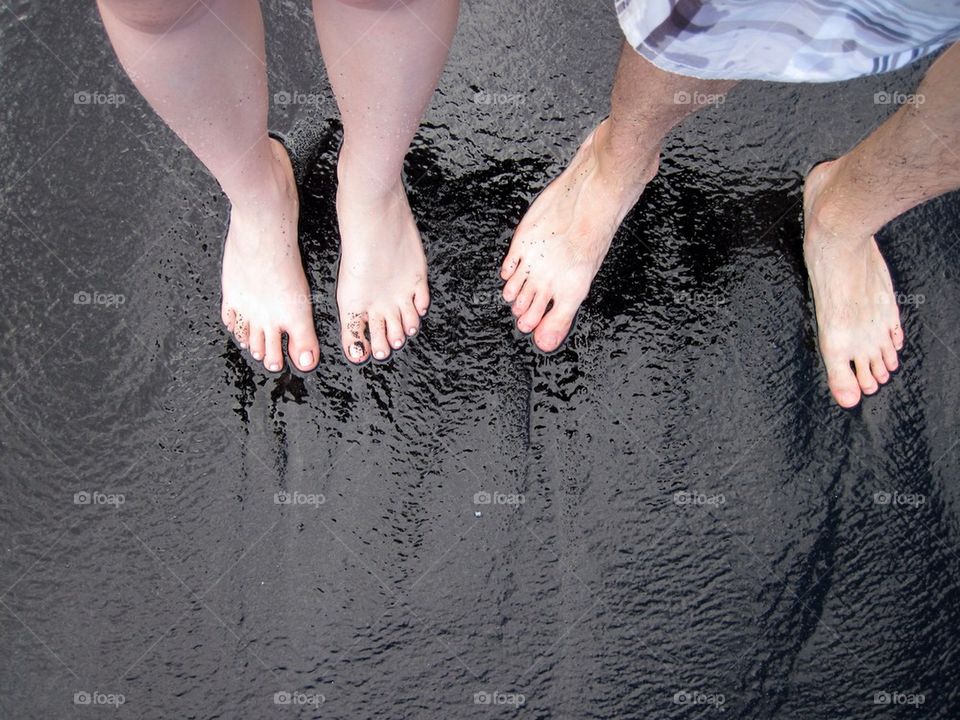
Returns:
point(265, 291)
point(858, 321)
point(382, 281)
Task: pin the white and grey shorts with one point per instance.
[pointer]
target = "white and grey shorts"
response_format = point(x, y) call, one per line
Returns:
point(787, 40)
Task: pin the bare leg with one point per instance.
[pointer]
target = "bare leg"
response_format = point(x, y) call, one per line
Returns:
point(200, 65)
point(910, 158)
point(383, 58)
point(562, 240)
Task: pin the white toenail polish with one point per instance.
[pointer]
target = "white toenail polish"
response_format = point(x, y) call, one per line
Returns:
point(306, 358)
point(274, 367)
point(380, 355)
point(397, 344)
point(411, 331)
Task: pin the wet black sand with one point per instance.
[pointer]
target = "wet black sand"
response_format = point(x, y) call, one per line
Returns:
point(785, 585)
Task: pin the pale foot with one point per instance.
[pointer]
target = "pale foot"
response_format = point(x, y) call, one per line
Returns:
point(857, 316)
point(265, 291)
point(562, 240)
point(382, 282)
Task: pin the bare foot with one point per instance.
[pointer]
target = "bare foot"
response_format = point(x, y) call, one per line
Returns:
point(265, 291)
point(382, 282)
point(857, 316)
point(562, 240)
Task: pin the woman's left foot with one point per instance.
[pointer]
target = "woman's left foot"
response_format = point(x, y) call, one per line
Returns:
point(858, 320)
point(382, 282)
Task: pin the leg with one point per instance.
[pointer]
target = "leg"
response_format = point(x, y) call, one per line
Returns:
point(200, 65)
point(910, 158)
point(383, 58)
point(562, 240)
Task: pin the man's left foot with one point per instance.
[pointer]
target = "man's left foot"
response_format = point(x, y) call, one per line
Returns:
point(562, 240)
point(858, 320)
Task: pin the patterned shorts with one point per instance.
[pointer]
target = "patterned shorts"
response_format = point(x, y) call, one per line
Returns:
point(787, 40)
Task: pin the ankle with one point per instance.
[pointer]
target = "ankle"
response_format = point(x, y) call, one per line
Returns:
point(831, 212)
point(264, 185)
point(625, 157)
point(364, 182)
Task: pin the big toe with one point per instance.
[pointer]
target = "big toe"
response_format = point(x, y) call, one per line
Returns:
point(842, 381)
point(555, 326)
point(302, 346)
point(353, 337)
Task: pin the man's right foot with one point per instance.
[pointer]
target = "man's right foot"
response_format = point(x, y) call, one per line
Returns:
point(562, 240)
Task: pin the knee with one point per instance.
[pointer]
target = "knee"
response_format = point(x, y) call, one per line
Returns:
point(154, 16)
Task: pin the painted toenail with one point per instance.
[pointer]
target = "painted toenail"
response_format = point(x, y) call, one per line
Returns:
point(411, 331)
point(398, 344)
point(379, 354)
point(274, 367)
point(243, 345)
point(356, 351)
point(257, 356)
point(306, 358)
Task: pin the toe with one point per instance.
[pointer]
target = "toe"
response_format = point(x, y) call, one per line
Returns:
point(555, 325)
point(378, 337)
point(410, 318)
point(273, 355)
point(896, 335)
point(512, 289)
point(868, 383)
point(524, 300)
point(878, 369)
point(510, 262)
point(531, 318)
point(302, 346)
point(227, 316)
point(257, 343)
point(889, 356)
point(843, 383)
point(353, 337)
point(241, 330)
point(421, 300)
point(395, 333)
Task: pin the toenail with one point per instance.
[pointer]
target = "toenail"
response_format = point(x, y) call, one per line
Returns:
point(411, 331)
point(306, 358)
point(256, 356)
point(398, 344)
point(356, 351)
point(379, 354)
point(274, 367)
point(243, 345)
